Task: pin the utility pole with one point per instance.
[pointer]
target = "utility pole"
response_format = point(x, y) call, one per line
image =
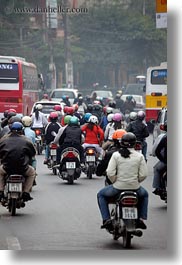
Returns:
point(68, 59)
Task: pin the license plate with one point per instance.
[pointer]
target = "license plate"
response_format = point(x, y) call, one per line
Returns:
point(53, 152)
point(70, 165)
point(15, 187)
point(129, 213)
point(90, 158)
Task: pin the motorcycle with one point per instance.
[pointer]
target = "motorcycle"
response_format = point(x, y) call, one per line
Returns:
point(90, 161)
point(12, 193)
point(39, 140)
point(52, 161)
point(69, 168)
point(124, 215)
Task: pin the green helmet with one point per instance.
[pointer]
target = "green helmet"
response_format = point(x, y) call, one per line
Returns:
point(67, 119)
point(74, 121)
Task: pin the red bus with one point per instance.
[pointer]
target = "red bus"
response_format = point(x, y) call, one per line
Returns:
point(19, 84)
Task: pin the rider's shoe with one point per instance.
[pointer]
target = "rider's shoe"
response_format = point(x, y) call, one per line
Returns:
point(26, 197)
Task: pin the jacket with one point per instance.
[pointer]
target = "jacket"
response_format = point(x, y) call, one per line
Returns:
point(94, 136)
point(161, 150)
point(16, 152)
point(127, 173)
point(72, 135)
point(51, 127)
point(139, 128)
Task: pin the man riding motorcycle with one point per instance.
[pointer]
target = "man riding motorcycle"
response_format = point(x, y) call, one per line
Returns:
point(126, 169)
point(16, 152)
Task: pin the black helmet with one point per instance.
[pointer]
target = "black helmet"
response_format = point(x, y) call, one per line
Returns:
point(112, 104)
point(128, 140)
point(89, 107)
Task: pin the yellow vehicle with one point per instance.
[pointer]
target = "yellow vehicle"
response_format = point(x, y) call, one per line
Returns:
point(156, 90)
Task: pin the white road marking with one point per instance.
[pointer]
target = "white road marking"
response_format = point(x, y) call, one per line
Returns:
point(13, 243)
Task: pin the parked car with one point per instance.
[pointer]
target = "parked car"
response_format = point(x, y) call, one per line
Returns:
point(140, 104)
point(105, 95)
point(159, 123)
point(48, 106)
point(58, 93)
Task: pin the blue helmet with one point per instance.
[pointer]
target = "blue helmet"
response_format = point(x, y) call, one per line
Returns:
point(87, 116)
point(17, 126)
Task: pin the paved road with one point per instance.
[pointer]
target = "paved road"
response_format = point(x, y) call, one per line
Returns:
point(66, 217)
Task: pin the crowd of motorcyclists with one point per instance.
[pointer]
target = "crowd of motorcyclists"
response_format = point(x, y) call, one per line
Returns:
point(112, 130)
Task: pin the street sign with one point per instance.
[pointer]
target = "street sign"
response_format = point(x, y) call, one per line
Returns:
point(161, 14)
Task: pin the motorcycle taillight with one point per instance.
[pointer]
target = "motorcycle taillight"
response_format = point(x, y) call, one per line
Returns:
point(90, 151)
point(38, 132)
point(15, 178)
point(138, 146)
point(70, 155)
point(129, 201)
point(53, 146)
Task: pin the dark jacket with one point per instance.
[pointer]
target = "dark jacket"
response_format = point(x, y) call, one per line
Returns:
point(72, 135)
point(16, 152)
point(161, 150)
point(139, 128)
point(51, 127)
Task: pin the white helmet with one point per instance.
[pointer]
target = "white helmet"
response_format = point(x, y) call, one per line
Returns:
point(39, 106)
point(110, 117)
point(27, 121)
point(93, 119)
point(133, 116)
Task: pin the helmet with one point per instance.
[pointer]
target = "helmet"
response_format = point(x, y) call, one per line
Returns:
point(39, 106)
point(27, 121)
point(90, 107)
point(93, 119)
point(112, 104)
point(109, 110)
point(69, 110)
point(74, 121)
point(53, 116)
point(57, 107)
point(133, 116)
point(14, 119)
point(45, 96)
point(129, 98)
point(141, 115)
point(128, 140)
point(67, 119)
point(17, 126)
point(11, 110)
point(118, 95)
point(118, 134)
point(117, 116)
point(110, 117)
point(87, 116)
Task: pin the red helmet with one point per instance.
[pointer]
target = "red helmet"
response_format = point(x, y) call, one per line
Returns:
point(53, 115)
point(57, 107)
point(11, 110)
point(69, 110)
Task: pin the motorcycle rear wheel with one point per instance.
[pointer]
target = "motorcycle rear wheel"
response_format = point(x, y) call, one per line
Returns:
point(127, 239)
point(89, 173)
point(12, 207)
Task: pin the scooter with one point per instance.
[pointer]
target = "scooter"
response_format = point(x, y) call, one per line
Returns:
point(39, 140)
point(69, 168)
point(52, 161)
point(90, 161)
point(12, 193)
point(124, 216)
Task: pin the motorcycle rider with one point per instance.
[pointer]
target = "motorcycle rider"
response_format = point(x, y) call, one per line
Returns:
point(94, 135)
point(38, 118)
point(129, 104)
point(72, 137)
point(16, 151)
point(140, 129)
point(161, 166)
point(28, 132)
point(102, 165)
point(126, 169)
point(53, 126)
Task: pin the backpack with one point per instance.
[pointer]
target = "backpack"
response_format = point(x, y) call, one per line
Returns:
point(156, 143)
